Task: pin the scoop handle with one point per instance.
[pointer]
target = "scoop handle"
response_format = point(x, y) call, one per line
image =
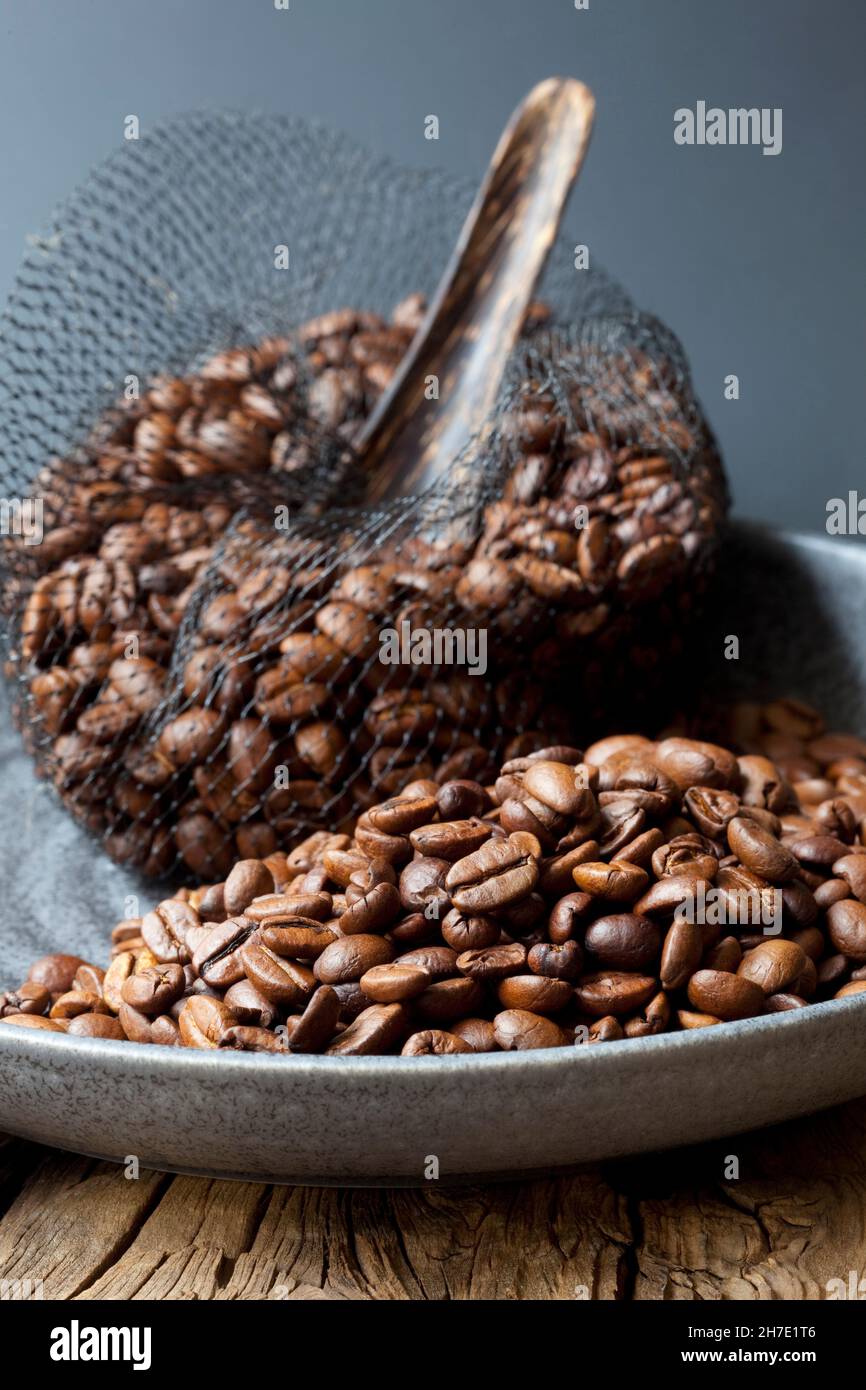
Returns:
point(447, 383)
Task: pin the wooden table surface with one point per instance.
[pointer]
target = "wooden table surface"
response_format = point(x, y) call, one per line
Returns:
point(660, 1227)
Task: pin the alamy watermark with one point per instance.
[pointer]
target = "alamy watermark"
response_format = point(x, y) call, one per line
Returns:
point(715, 907)
point(738, 125)
point(846, 516)
point(22, 516)
point(435, 646)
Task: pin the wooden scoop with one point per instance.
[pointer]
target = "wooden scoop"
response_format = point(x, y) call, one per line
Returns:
point(477, 312)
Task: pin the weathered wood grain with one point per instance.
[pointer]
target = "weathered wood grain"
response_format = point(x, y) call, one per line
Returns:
point(666, 1226)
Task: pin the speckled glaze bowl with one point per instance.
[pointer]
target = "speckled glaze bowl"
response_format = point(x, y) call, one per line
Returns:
point(798, 605)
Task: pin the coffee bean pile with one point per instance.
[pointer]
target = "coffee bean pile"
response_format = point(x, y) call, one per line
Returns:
point(172, 668)
point(541, 910)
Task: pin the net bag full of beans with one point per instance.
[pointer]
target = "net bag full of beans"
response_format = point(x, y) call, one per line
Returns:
point(216, 641)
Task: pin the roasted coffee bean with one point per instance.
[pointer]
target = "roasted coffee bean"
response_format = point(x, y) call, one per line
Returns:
point(725, 996)
point(29, 998)
point(248, 880)
point(499, 873)
point(623, 941)
point(846, 923)
point(614, 992)
point(444, 1001)
point(567, 915)
point(350, 957)
point(296, 938)
point(55, 973)
point(760, 851)
point(606, 1029)
point(558, 962)
point(479, 1033)
point(376, 1029)
point(217, 958)
point(283, 981)
point(492, 962)
point(392, 984)
point(246, 1038)
point(617, 882)
point(539, 994)
point(681, 954)
point(374, 911)
point(203, 1021)
point(154, 990)
point(464, 933)
point(433, 1042)
point(518, 1030)
point(250, 1005)
point(48, 1025)
point(775, 965)
point(96, 1026)
point(461, 800)
point(422, 886)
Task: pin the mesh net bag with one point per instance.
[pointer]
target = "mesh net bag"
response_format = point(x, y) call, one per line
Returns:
point(215, 643)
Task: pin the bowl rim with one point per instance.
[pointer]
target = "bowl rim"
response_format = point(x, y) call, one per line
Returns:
point(207, 1063)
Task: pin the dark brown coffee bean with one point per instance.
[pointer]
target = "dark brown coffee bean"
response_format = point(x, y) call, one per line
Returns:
point(251, 1006)
point(218, 958)
point(75, 1002)
point(567, 915)
point(55, 973)
point(242, 1037)
point(297, 938)
point(477, 1032)
point(537, 993)
point(852, 869)
point(614, 992)
point(725, 996)
point(557, 962)
point(846, 923)
point(165, 930)
point(350, 957)
point(248, 880)
point(651, 1020)
point(464, 933)
point(311, 1030)
point(374, 911)
point(376, 1029)
point(499, 873)
point(394, 983)
point(154, 990)
point(281, 908)
point(434, 1042)
point(518, 1030)
point(48, 1025)
point(606, 1029)
point(783, 1003)
point(492, 962)
point(444, 1001)
point(727, 954)
point(461, 800)
point(422, 887)
point(681, 953)
point(623, 941)
point(760, 851)
point(283, 981)
point(451, 840)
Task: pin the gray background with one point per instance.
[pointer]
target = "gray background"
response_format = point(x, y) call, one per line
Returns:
point(756, 262)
